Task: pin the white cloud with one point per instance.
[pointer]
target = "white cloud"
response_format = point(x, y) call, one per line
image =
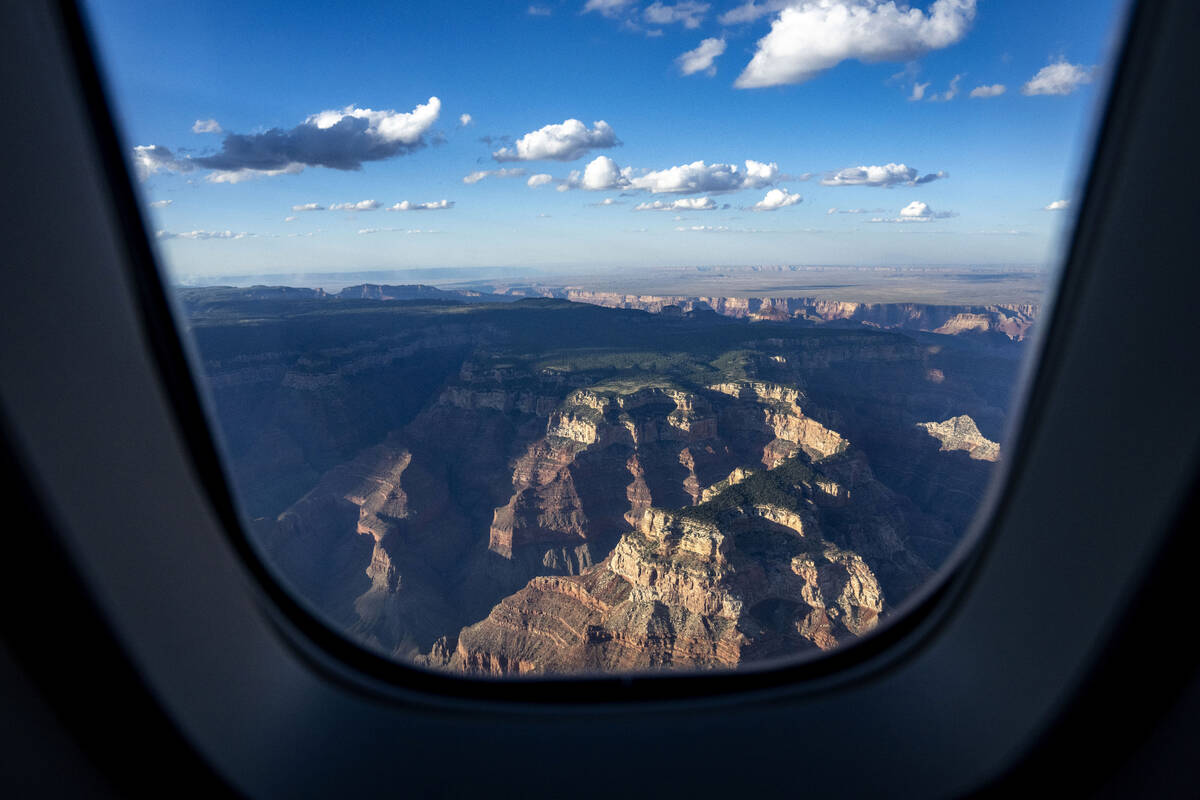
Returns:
point(688, 12)
point(1058, 205)
point(916, 211)
point(949, 94)
point(608, 8)
point(699, 177)
point(887, 175)
point(538, 11)
point(342, 139)
point(776, 199)
point(202, 235)
point(602, 173)
point(361, 205)
point(433, 205)
point(161, 203)
point(388, 126)
point(918, 91)
point(464, 120)
point(289, 219)
point(308, 207)
point(701, 59)
point(539, 179)
point(995, 90)
point(565, 141)
point(812, 36)
point(240, 175)
point(507, 172)
point(750, 11)
point(1059, 78)
point(206, 126)
point(854, 211)
point(149, 159)
point(682, 204)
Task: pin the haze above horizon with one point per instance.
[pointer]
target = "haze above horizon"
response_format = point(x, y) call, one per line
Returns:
point(571, 136)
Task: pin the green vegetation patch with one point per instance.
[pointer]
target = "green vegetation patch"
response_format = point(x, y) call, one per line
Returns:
point(774, 487)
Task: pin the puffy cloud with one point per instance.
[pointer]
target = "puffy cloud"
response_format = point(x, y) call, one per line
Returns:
point(433, 205)
point(506, 172)
point(540, 179)
point(386, 126)
point(308, 207)
point(239, 175)
point(701, 59)
point(161, 203)
point(609, 8)
point(949, 94)
point(682, 204)
point(750, 11)
point(206, 126)
point(342, 139)
point(995, 90)
point(698, 177)
point(1058, 78)
point(361, 205)
point(810, 37)
point(602, 173)
point(149, 159)
point(202, 235)
point(918, 91)
point(1058, 205)
point(776, 199)
point(887, 175)
point(289, 219)
point(565, 141)
point(916, 211)
point(688, 12)
point(464, 120)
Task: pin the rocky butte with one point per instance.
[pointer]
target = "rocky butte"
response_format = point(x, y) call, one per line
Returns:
point(544, 486)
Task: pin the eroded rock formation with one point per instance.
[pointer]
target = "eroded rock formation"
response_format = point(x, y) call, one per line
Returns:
point(716, 585)
point(961, 433)
point(645, 490)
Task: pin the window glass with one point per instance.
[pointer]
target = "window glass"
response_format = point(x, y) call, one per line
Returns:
point(606, 335)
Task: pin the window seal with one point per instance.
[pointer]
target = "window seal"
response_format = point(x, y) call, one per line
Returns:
point(341, 659)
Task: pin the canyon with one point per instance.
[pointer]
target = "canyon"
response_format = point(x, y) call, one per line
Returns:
point(526, 486)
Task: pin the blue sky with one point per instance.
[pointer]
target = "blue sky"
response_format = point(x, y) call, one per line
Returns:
point(808, 92)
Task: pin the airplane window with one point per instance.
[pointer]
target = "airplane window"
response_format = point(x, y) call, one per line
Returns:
point(600, 336)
